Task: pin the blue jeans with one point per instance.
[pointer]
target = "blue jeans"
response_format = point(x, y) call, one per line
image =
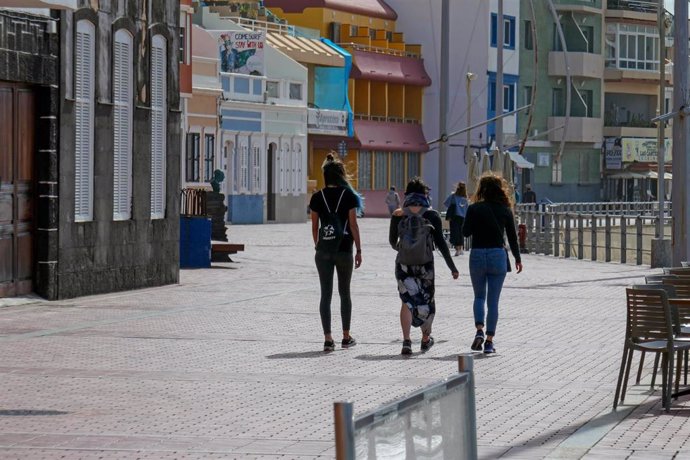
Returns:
point(488, 269)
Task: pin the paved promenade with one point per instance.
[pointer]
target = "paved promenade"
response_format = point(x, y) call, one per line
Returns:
point(227, 364)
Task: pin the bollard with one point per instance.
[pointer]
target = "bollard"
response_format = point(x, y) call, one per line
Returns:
point(344, 415)
point(522, 238)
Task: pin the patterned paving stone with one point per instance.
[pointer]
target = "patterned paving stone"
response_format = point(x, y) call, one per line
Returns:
point(227, 364)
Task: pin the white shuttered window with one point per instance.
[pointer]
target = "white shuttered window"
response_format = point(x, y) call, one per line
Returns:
point(158, 124)
point(122, 125)
point(84, 70)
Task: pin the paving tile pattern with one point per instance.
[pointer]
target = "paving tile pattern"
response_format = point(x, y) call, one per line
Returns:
point(227, 364)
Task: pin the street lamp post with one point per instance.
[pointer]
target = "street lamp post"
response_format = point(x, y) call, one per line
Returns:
point(468, 148)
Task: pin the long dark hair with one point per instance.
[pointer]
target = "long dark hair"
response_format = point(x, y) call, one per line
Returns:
point(493, 188)
point(461, 189)
point(334, 173)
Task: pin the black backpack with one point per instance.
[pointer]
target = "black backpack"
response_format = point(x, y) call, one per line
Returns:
point(415, 238)
point(332, 229)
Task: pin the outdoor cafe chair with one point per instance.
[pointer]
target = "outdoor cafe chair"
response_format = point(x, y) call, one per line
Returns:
point(671, 293)
point(649, 327)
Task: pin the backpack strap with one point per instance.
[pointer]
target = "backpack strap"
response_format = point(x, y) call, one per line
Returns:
point(325, 201)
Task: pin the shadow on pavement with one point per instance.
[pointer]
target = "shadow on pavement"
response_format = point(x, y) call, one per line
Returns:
point(299, 355)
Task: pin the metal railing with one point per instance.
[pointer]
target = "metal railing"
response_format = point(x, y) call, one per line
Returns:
point(378, 49)
point(641, 6)
point(608, 232)
point(193, 202)
point(438, 421)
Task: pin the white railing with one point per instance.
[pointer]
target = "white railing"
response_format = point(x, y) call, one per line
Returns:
point(444, 411)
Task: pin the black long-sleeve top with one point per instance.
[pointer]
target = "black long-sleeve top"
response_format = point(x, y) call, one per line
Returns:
point(435, 219)
point(486, 222)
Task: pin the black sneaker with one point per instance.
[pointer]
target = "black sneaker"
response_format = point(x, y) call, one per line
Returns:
point(407, 347)
point(478, 341)
point(427, 345)
point(349, 342)
point(489, 347)
point(329, 345)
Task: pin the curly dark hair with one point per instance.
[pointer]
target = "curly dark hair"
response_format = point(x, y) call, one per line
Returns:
point(495, 189)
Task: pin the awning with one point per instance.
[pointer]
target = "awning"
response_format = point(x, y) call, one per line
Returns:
point(306, 50)
point(520, 161)
point(369, 65)
point(392, 137)
point(627, 175)
point(655, 175)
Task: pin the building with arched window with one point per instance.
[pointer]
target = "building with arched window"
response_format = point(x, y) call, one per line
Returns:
point(118, 178)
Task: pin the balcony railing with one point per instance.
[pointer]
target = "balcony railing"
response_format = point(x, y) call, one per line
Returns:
point(640, 6)
point(412, 121)
point(380, 50)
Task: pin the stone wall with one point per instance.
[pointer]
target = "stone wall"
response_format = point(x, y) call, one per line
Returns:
point(105, 255)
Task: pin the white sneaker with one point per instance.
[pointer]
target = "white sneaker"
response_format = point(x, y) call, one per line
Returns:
point(457, 253)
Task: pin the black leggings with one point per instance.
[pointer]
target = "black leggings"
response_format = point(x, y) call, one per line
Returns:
point(326, 264)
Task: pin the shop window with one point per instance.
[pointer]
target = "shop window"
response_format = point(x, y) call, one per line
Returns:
point(209, 156)
point(364, 170)
point(192, 157)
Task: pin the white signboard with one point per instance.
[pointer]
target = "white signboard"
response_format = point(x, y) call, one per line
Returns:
point(242, 52)
point(330, 122)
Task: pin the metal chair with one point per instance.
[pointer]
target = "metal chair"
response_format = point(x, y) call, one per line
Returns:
point(649, 327)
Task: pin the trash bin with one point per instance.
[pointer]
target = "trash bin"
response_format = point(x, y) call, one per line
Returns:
point(195, 242)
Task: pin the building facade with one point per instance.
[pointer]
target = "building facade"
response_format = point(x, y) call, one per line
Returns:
point(573, 172)
point(202, 127)
point(29, 110)
point(468, 84)
point(263, 119)
point(386, 88)
point(511, 69)
point(632, 100)
point(117, 196)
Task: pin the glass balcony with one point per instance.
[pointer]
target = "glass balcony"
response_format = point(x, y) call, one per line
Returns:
point(640, 6)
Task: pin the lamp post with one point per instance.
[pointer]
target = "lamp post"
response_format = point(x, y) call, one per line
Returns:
point(468, 149)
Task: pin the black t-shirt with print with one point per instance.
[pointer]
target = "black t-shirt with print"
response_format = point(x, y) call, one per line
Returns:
point(332, 195)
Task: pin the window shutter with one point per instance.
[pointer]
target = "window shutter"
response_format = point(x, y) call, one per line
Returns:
point(158, 125)
point(122, 126)
point(84, 60)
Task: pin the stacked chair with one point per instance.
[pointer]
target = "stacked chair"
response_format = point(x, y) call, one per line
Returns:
point(658, 321)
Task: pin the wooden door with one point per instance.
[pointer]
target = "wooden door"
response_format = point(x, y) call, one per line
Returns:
point(17, 142)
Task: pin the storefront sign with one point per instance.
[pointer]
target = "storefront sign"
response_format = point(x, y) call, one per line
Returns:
point(643, 150)
point(613, 153)
point(242, 52)
point(330, 122)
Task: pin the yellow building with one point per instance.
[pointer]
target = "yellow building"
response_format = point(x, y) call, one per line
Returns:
point(386, 87)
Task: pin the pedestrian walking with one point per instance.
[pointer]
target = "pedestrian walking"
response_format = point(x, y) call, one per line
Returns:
point(456, 207)
point(414, 229)
point(486, 221)
point(529, 195)
point(392, 200)
point(334, 230)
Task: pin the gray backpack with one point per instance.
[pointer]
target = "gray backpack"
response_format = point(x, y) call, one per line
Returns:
point(415, 238)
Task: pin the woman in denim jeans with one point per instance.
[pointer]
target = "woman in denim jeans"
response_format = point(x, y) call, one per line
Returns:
point(486, 221)
point(337, 197)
